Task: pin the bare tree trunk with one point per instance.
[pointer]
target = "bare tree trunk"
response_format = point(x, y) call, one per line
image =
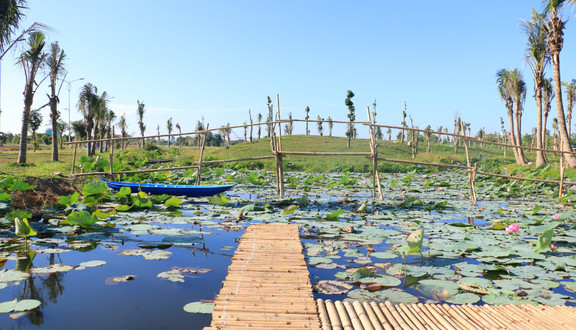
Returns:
point(521, 157)
point(540, 159)
point(28, 99)
point(564, 138)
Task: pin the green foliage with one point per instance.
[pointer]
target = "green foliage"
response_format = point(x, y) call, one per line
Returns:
point(83, 219)
point(173, 202)
point(124, 191)
point(219, 199)
point(12, 215)
point(94, 188)
point(68, 200)
point(333, 216)
point(22, 228)
point(413, 242)
point(544, 240)
point(290, 209)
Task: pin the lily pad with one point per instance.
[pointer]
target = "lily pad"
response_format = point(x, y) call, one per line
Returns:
point(394, 296)
point(332, 287)
point(464, 298)
point(199, 307)
point(93, 263)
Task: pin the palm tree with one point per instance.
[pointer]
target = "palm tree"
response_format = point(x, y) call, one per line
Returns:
point(102, 118)
point(31, 61)
point(288, 128)
point(35, 122)
point(512, 90)
point(307, 110)
point(10, 18)
point(571, 98)
point(122, 124)
point(547, 97)
point(259, 126)
point(320, 128)
point(141, 121)
point(251, 122)
point(330, 126)
point(169, 127)
point(351, 115)
point(55, 63)
point(537, 58)
point(88, 104)
point(555, 26)
point(179, 135)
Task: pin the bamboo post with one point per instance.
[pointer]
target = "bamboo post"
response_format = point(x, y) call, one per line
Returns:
point(562, 170)
point(74, 155)
point(112, 156)
point(279, 163)
point(203, 144)
point(470, 180)
point(374, 150)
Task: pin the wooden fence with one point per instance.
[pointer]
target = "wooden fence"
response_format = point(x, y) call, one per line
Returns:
point(278, 153)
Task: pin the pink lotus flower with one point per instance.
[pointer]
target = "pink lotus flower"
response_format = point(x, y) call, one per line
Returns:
point(513, 228)
point(441, 189)
point(556, 216)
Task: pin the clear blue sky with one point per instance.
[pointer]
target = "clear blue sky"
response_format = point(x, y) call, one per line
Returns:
point(217, 59)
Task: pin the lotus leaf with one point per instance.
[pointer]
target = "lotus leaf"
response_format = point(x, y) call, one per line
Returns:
point(199, 307)
point(413, 242)
point(148, 254)
point(83, 219)
point(464, 298)
point(23, 228)
point(332, 287)
point(93, 263)
point(17, 214)
point(394, 296)
point(123, 192)
point(173, 202)
point(9, 275)
point(333, 216)
point(506, 299)
point(290, 209)
point(318, 260)
point(544, 240)
point(438, 288)
point(384, 280)
point(384, 255)
point(94, 188)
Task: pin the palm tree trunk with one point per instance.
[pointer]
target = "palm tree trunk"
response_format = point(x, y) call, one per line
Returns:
point(564, 138)
point(28, 99)
point(513, 136)
point(521, 157)
point(540, 159)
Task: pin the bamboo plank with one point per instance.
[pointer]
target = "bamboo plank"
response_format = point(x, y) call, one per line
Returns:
point(371, 315)
point(333, 314)
point(344, 318)
point(403, 315)
point(323, 315)
point(356, 323)
point(411, 316)
point(424, 317)
point(381, 317)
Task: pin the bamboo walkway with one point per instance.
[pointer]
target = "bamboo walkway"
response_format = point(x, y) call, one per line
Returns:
point(268, 284)
point(268, 287)
point(372, 315)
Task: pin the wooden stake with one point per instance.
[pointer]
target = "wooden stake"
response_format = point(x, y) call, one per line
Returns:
point(374, 150)
point(470, 181)
point(279, 163)
point(562, 170)
point(112, 156)
point(203, 142)
point(74, 155)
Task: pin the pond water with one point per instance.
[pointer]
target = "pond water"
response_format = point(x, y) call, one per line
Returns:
point(110, 284)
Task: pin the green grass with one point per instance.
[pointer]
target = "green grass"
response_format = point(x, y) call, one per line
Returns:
point(40, 165)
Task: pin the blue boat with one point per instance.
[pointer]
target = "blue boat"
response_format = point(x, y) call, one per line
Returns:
point(170, 189)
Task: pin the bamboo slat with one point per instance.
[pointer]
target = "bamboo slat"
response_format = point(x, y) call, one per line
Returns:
point(375, 315)
point(268, 284)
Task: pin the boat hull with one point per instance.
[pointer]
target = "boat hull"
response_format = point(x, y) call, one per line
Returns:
point(170, 189)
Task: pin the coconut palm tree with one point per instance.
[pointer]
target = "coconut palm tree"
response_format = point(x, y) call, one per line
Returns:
point(251, 122)
point(31, 61)
point(288, 128)
point(35, 122)
point(141, 121)
point(169, 127)
point(307, 110)
point(55, 64)
point(512, 90)
point(547, 97)
point(88, 104)
point(330, 126)
point(180, 135)
point(259, 126)
point(537, 58)
point(122, 124)
point(320, 128)
point(10, 19)
point(570, 98)
point(552, 19)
